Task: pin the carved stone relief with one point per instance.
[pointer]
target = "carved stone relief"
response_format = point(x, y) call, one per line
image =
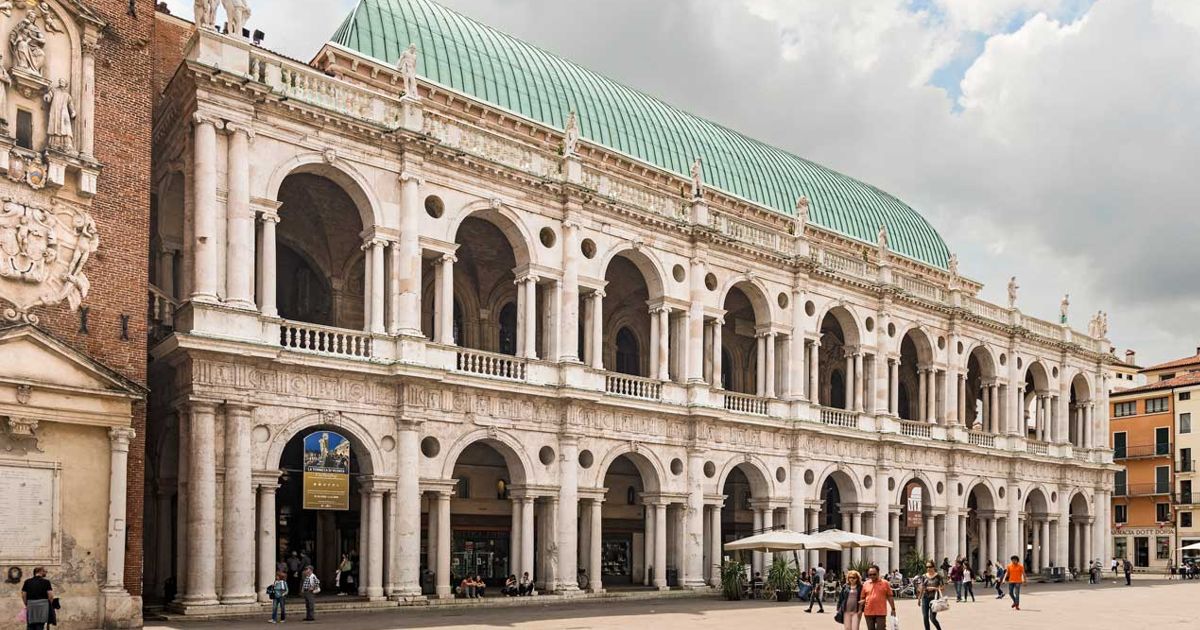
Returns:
point(43, 252)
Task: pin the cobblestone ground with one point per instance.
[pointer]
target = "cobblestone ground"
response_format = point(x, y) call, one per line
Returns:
point(1148, 604)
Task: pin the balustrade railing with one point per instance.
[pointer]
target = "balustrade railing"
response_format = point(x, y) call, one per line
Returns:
point(839, 418)
point(745, 403)
point(916, 429)
point(324, 340)
point(1038, 448)
point(1039, 327)
point(922, 289)
point(490, 364)
point(744, 231)
point(635, 195)
point(844, 264)
point(986, 440)
point(632, 386)
point(162, 308)
point(987, 310)
point(299, 82)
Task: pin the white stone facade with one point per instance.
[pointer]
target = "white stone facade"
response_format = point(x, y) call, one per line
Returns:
point(426, 220)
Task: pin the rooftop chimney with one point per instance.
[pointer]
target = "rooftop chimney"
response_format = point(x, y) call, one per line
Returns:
point(1130, 355)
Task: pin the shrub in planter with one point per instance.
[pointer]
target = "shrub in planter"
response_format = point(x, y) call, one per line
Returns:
point(782, 579)
point(733, 579)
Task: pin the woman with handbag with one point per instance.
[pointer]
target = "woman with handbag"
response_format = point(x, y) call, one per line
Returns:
point(931, 595)
point(849, 609)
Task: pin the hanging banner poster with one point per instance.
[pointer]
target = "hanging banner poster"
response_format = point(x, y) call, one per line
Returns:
point(326, 471)
point(913, 518)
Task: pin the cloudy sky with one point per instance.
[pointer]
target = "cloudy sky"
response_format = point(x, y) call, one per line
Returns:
point(1054, 140)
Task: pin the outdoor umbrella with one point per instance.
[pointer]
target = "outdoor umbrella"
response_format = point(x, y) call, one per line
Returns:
point(780, 540)
point(1191, 547)
point(850, 540)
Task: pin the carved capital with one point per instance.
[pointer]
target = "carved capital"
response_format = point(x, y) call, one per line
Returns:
point(236, 127)
point(269, 217)
point(204, 118)
point(119, 437)
point(407, 176)
point(449, 258)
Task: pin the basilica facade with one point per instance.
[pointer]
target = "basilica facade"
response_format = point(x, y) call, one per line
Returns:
point(567, 330)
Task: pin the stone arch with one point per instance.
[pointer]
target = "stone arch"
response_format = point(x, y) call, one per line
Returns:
point(984, 356)
point(1040, 375)
point(921, 342)
point(646, 262)
point(647, 464)
point(756, 471)
point(1037, 500)
point(1079, 499)
point(756, 292)
point(927, 484)
point(504, 219)
point(340, 172)
point(986, 491)
point(509, 447)
point(370, 458)
point(846, 318)
point(1081, 387)
point(847, 483)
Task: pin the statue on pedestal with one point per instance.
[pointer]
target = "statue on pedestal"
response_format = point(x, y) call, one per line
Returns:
point(28, 45)
point(802, 208)
point(60, 129)
point(237, 13)
point(571, 137)
point(697, 179)
point(1062, 308)
point(1012, 292)
point(407, 67)
point(881, 240)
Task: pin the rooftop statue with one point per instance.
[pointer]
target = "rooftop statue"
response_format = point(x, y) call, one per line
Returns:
point(1012, 292)
point(697, 179)
point(1062, 309)
point(571, 138)
point(802, 208)
point(407, 67)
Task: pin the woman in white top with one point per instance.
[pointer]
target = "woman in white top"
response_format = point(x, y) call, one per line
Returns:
point(968, 582)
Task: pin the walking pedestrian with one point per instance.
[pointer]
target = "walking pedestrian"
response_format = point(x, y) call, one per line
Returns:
point(36, 595)
point(343, 579)
point(310, 587)
point(849, 605)
point(1114, 567)
point(999, 583)
point(1014, 574)
point(968, 582)
point(1128, 572)
point(956, 576)
point(877, 598)
point(277, 592)
point(814, 596)
point(931, 589)
point(988, 572)
point(1171, 569)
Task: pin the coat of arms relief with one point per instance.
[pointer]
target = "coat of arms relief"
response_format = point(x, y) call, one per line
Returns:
point(47, 50)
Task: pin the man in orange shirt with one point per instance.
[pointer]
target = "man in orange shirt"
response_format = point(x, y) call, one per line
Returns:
point(1014, 574)
point(877, 597)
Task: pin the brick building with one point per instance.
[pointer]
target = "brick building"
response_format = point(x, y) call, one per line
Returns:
point(75, 149)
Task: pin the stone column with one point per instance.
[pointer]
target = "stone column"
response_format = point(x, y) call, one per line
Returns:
point(708, 354)
point(514, 540)
point(392, 293)
point(963, 549)
point(596, 354)
point(850, 387)
point(894, 386)
point(204, 207)
point(814, 387)
point(922, 393)
point(693, 538)
point(409, 269)
point(950, 527)
point(846, 526)
point(695, 321)
point(991, 537)
point(443, 545)
point(364, 538)
point(118, 477)
point(930, 537)
point(527, 287)
point(1089, 554)
point(663, 314)
point(527, 536)
point(237, 539)
point(202, 507)
point(648, 543)
point(87, 94)
point(431, 530)
point(239, 251)
point(375, 542)
point(856, 527)
point(987, 419)
point(183, 500)
point(163, 533)
point(267, 545)
point(961, 401)
point(595, 568)
point(568, 513)
point(756, 557)
point(377, 286)
point(268, 265)
point(882, 509)
point(715, 552)
point(568, 329)
point(444, 283)
point(660, 546)
point(931, 396)
point(769, 365)
point(407, 536)
point(814, 524)
point(859, 382)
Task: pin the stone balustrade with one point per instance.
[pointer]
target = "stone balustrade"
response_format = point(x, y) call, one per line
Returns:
point(632, 386)
point(325, 340)
point(490, 364)
point(916, 429)
point(839, 418)
point(745, 403)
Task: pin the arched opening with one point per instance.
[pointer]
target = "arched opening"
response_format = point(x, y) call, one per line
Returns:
point(320, 267)
point(982, 403)
point(727, 370)
point(744, 512)
point(506, 325)
point(837, 491)
point(1079, 538)
point(1080, 433)
point(627, 538)
point(1037, 533)
point(481, 515)
point(917, 532)
point(1037, 407)
point(321, 533)
point(916, 378)
point(835, 362)
point(745, 314)
point(628, 359)
point(982, 529)
point(625, 310)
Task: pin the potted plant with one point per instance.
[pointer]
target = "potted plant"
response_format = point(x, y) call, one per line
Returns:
point(733, 579)
point(782, 579)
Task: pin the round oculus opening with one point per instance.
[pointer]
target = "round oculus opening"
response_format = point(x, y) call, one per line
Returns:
point(434, 206)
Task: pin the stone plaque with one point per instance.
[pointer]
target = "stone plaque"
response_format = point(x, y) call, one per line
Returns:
point(28, 513)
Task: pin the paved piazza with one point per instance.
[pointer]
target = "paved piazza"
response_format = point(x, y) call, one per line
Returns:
point(1152, 603)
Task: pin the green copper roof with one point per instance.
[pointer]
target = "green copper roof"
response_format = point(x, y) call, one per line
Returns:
point(473, 58)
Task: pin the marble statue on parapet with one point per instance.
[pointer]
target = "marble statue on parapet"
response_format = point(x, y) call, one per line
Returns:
point(5, 83)
point(205, 13)
point(881, 240)
point(1094, 325)
point(571, 135)
point(237, 14)
point(28, 45)
point(60, 129)
point(1103, 329)
point(1012, 292)
point(407, 67)
point(802, 208)
point(697, 179)
point(952, 266)
point(1063, 308)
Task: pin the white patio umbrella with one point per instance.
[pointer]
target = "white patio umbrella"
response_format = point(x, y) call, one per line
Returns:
point(850, 540)
point(1191, 547)
point(780, 540)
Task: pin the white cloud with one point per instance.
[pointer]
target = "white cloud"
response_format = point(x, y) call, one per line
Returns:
point(1069, 163)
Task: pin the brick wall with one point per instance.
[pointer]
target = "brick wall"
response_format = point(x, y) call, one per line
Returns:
point(170, 36)
point(121, 208)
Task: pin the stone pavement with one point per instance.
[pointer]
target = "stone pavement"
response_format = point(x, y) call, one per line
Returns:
point(1148, 604)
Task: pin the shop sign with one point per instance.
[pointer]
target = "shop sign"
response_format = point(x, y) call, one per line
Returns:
point(326, 471)
point(913, 518)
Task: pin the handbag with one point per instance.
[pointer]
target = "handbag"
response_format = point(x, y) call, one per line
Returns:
point(893, 622)
point(839, 617)
point(940, 605)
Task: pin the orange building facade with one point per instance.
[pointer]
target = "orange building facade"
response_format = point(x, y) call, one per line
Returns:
point(1144, 498)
